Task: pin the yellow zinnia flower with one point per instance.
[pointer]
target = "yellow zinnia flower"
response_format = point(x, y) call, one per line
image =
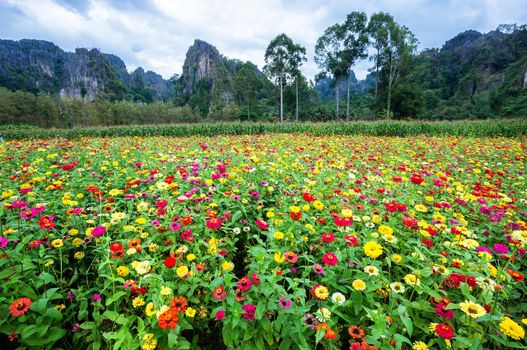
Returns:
point(359, 285)
point(419, 345)
point(182, 271)
point(372, 249)
point(511, 329)
point(472, 309)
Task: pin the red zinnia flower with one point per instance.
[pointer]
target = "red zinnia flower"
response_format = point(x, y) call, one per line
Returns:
point(214, 223)
point(19, 306)
point(445, 331)
point(417, 179)
point(262, 225)
point(328, 238)
point(46, 222)
point(330, 259)
point(308, 197)
point(116, 247)
point(168, 319)
point(341, 222)
point(518, 277)
point(295, 215)
point(170, 261)
point(443, 312)
point(359, 346)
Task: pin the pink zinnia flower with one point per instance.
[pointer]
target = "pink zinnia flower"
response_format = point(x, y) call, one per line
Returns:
point(249, 311)
point(220, 315)
point(244, 283)
point(98, 231)
point(291, 257)
point(219, 293)
point(330, 259)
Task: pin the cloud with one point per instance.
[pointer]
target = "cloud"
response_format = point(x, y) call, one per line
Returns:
point(156, 34)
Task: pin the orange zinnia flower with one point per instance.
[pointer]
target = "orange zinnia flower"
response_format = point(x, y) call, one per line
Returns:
point(179, 304)
point(330, 333)
point(356, 332)
point(168, 319)
point(19, 306)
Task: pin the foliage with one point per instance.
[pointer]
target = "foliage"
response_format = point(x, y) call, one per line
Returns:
point(479, 128)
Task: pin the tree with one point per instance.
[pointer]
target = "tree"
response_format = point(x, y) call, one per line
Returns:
point(355, 38)
point(298, 55)
point(329, 58)
point(409, 101)
point(401, 44)
point(282, 61)
point(246, 85)
point(378, 28)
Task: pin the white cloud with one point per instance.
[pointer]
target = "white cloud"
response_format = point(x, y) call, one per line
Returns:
point(157, 34)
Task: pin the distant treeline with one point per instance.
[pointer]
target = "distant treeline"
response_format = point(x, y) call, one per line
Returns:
point(51, 111)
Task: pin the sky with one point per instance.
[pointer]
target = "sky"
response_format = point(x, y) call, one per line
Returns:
point(155, 34)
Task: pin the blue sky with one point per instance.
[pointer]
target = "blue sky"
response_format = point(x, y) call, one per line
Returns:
point(156, 34)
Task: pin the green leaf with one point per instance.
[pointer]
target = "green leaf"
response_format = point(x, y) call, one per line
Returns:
point(88, 325)
point(55, 334)
point(53, 313)
point(172, 339)
point(319, 335)
point(40, 305)
point(115, 297)
point(403, 314)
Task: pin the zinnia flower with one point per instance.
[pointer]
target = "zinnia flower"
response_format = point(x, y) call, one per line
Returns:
point(214, 223)
point(291, 257)
point(338, 298)
point(356, 332)
point(284, 304)
point(318, 269)
point(319, 292)
point(472, 309)
point(20, 306)
point(179, 304)
point(330, 259)
point(419, 345)
point(511, 328)
point(244, 284)
point(219, 293)
point(444, 331)
point(248, 311)
point(371, 270)
point(220, 315)
point(168, 319)
point(372, 249)
point(359, 285)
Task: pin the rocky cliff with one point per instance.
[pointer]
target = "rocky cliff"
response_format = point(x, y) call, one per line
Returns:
point(472, 63)
point(205, 70)
point(41, 66)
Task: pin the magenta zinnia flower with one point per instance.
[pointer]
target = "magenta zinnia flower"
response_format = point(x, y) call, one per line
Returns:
point(98, 231)
point(249, 311)
point(244, 283)
point(330, 259)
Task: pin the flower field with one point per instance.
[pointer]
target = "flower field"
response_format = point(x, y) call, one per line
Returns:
point(274, 241)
